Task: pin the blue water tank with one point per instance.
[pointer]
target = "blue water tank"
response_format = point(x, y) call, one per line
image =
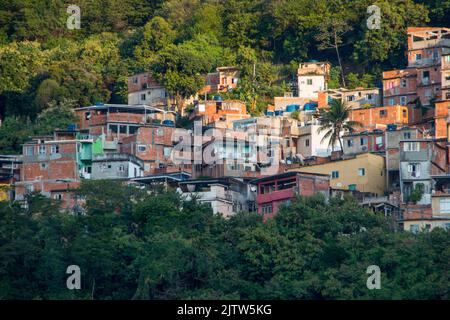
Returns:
point(292, 107)
point(269, 113)
point(217, 98)
point(278, 112)
point(168, 123)
point(391, 127)
point(71, 127)
point(310, 106)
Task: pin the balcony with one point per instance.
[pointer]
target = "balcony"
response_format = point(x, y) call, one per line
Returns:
point(276, 195)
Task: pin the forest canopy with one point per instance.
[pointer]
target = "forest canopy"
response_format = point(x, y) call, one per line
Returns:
point(44, 63)
point(131, 244)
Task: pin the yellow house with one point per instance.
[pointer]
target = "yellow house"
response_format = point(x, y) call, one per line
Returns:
point(364, 172)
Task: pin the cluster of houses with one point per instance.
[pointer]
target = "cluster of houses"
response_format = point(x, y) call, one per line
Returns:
point(396, 164)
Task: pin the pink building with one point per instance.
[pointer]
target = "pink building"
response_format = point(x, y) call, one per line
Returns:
point(277, 190)
point(427, 76)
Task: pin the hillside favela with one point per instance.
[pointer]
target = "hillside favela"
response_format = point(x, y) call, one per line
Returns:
point(224, 150)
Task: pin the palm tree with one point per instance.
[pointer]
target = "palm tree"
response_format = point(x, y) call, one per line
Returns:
point(334, 121)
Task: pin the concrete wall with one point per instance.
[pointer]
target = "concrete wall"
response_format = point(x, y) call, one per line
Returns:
point(311, 91)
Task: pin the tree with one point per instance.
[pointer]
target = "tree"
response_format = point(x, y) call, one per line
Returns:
point(334, 121)
point(330, 36)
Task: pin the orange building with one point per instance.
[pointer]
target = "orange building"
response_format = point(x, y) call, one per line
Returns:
point(225, 111)
point(373, 116)
point(441, 128)
point(425, 77)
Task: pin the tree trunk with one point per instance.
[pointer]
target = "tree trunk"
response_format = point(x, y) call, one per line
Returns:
point(340, 142)
point(339, 58)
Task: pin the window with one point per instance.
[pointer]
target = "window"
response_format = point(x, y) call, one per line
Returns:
point(123, 129)
point(391, 101)
point(361, 172)
point(135, 79)
point(334, 174)
point(379, 140)
point(29, 151)
point(54, 148)
point(160, 132)
point(414, 169)
point(369, 96)
point(435, 55)
point(350, 143)
point(41, 149)
point(350, 98)
point(363, 141)
point(406, 135)
point(444, 205)
point(57, 196)
point(414, 228)
point(121, 168)
point(309, 82)
point(167, 151)
point(411, 146)
point(418, 56)
point(403, 83)
point(43, 166)
point(132, 129)
point(113, 128)
point(142, 148)
point(307, 142)
point(383, 113)
point(403, 100)
point(267, 208)
point(425, 76)
point(143, 96)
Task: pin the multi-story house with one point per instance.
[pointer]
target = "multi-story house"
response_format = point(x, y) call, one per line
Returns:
point(439, 215)
point(219, 112)
point(117, 121)
point(363, 172)
point(144, 89)
point(278, 190)
point(419, 160)
point(312, 141)
point(116, 166)
point(226, 195)
point(285, 129)
point(54, 166)
point(393, 136)
point(223, 80)
point(364, 141)
point(312, 77)
point(142, 131)
point(425, 78)
point(379, 117)
point(354, 98)
point(227, 157)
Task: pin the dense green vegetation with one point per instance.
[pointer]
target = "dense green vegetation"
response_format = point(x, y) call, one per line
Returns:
point(134, 245)
point(43, 62)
